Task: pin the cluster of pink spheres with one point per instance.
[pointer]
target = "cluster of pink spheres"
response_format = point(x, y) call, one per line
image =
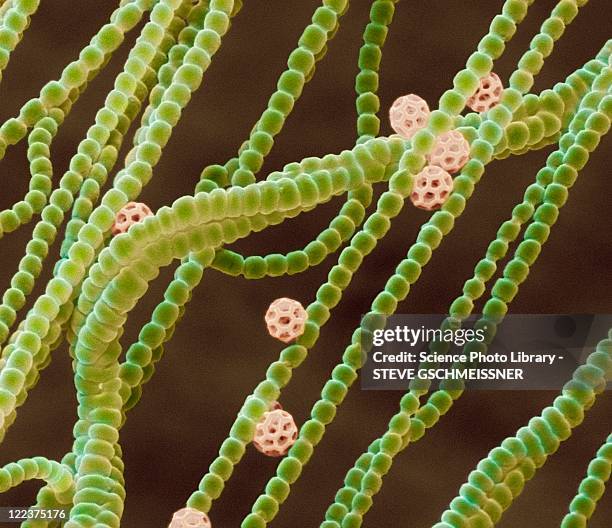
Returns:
point(410, 113)
point(286, 318)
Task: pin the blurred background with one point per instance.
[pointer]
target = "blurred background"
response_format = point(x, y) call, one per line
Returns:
point(221, 350)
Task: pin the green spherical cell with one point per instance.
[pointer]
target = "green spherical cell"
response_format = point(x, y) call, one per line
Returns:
point(334, 391)
point(370, 56)
point(13, 131)
point(598, 122)
point(279, 373)
point(466, 82)
point(128, 16)
point(312, 431)
point(576, 156)
point(272, 121)
point(261, 142)
point(522, 81)
point(474, 288)
point(592, 487)
point(554, 27)
point(367, 103)
point(509, 230)
point(455, 204)
point(491, 132)
point(375, 34)
point(503, 27)
point(538, 231)
point(36, 199)
point(254, 267)
point(109, 38)
point(289, 469)
point(517, 135)
point(479, 63)
point(574, 520)
point(302, 60)
point(354, 477)
point(534, 194)
point(207, 40)
point(313, 38)
point(9, 221)
point(515, 9)
point(291, 82)
point(500, 114)
point(532, 62)
point(366, 81)
point(420, 253)
point(278, 489)
point(324, 411)
point(297, 261)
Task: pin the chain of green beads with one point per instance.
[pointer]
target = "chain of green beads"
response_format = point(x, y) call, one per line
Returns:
point(556, 422)
point(312, 431)
point(46, 113)
point(351, 503)
point(354, 499)
point(591, 489)
point(56, 475)
point(91, 149)
point(366, 82)
point(95, 156)
point(14, 20)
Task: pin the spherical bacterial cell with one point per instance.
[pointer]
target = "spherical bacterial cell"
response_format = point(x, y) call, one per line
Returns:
point(275, 433)
point(432, 186)
point(189, 518)
point(450, 152)
point(286, 319)
point(131, 213)
point(408, 114)
point(488, 93)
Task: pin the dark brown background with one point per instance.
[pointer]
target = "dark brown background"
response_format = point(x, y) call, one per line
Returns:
point(220, 350)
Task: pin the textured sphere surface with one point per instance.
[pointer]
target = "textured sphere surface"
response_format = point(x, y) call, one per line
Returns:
point(450, 152)
point(286, 319)
point(275, 433)
point(432, 186)
point(408, 114)
point(488, 94)
point(189, 518)
point(131, 213)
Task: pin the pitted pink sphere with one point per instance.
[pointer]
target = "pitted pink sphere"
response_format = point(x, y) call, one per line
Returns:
point(408, 114)
point(432, 187)
point(488, 93)
point(274, 406)
point(450, 152)
point(189, 518)
point(286, 319)
point(131, 213)
point(275, 433)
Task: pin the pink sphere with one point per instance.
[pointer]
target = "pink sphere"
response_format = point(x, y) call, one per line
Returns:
point(432, 187)
point(189, 518)
point(286, 319)
point(450, 152)
point(275, 433)
point(488, 93)
point(131, 213)
point(274, 406)
point(408, 114)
